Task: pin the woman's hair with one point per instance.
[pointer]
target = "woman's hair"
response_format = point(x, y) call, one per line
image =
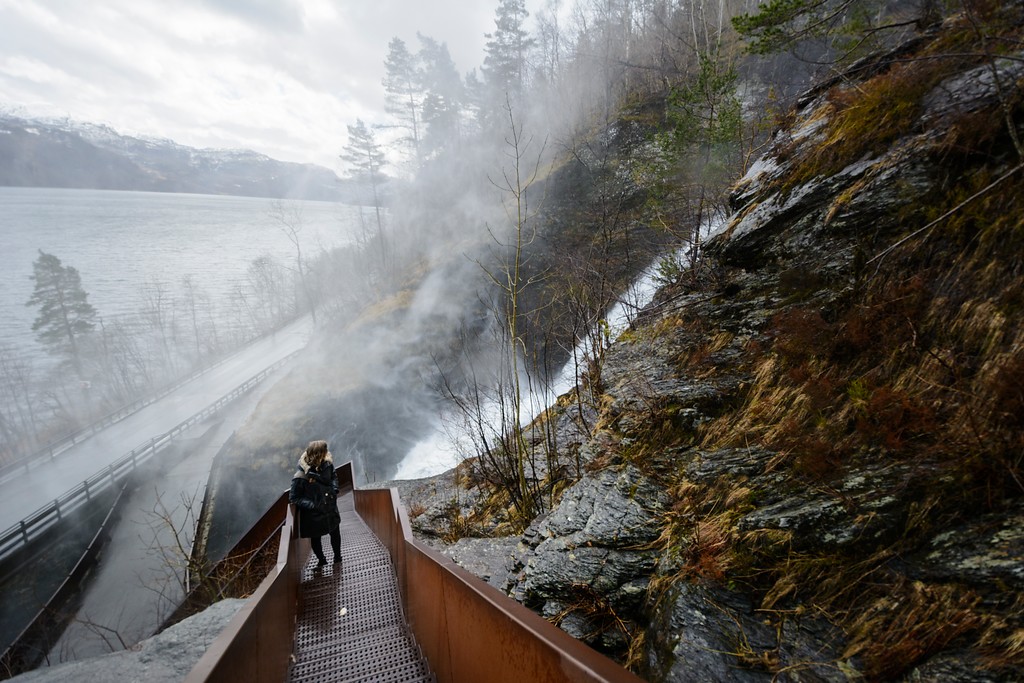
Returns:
point(315, 453)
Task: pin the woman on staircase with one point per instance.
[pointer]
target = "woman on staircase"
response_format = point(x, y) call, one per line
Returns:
point(315, 493)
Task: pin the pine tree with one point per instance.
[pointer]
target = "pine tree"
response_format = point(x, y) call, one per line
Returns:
point(404, 95)
point(474, 102)
point(780, 25)
point(504, 66)
point(65, 315)
point(365, 160)
point(442, 103)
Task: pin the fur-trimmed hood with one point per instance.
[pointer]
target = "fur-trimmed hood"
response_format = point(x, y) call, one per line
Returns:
point(304, 466)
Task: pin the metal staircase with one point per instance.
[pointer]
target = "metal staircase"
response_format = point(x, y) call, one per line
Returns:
point(351, 626)
point(355, 622)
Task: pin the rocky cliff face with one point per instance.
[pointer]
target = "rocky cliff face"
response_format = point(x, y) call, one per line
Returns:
point(804, 462)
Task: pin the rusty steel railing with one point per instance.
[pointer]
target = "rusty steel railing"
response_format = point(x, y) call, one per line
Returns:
point(256, 645)
point(468, 630)
point(237, 562)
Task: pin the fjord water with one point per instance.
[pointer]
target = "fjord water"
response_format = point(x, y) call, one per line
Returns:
point(120, 241)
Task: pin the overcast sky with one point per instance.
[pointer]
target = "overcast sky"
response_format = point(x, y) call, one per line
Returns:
point(282, 77)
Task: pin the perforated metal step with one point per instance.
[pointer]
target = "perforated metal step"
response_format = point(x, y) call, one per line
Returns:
point(351, 626)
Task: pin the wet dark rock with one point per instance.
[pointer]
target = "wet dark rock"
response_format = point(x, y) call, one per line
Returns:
point(615, 509)
point(856, 509)
point(707, 466)
point(569, 620)
point(559, 564)
point(988, 552)
point(702, 632)
point(489, 558)
point(643, 376)
point(970, 91)
point(434, 504)
point(593, 552)
point(956, 667)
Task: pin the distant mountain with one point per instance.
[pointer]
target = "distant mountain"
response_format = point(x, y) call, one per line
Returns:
point(65, 153)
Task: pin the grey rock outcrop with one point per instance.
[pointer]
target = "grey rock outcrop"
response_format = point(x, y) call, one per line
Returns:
point(704, 632)
point(791, 472)
point(165, 658)
point(595, 549)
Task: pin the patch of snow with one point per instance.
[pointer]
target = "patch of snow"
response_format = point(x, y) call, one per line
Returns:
point(717, 227)
point(770, 208)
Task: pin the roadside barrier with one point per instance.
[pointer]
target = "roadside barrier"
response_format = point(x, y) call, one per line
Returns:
point(34, 642)
point(58, 446)
point(37, 523)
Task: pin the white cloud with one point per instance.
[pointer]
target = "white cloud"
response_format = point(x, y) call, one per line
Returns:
point(29, 69)
point(283, 77)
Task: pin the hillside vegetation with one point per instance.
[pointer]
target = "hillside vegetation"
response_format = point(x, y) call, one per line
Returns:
point(804, 460)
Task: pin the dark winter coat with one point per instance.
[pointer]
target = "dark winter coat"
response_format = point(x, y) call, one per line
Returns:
point(315, 495)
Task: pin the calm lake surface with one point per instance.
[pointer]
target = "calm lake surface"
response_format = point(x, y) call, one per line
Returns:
point(120, 241)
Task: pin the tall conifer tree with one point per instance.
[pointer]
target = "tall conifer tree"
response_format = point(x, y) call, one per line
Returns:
point(443, 94)
point(366, 160)
point(65, 315)
point(504, 67)
point(404, 95)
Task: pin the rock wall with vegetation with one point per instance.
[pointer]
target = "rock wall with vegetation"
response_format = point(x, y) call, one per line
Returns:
point(804, 460)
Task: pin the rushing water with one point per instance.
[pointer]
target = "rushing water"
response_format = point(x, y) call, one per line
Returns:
point(120, 241)
point(451, 441)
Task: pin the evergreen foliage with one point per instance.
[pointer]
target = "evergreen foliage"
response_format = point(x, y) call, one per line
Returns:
point(849, 25)
point(443, 95)
point(366, 160)
point(364, 155)
point(65, 315)
point(504, 67)
point(706, 111)
point(403, 94)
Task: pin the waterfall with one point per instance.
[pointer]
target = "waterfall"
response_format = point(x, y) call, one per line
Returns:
point(451, 442)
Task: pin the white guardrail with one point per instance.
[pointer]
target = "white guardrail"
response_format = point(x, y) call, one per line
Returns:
point(37, 523)
point(55, 448)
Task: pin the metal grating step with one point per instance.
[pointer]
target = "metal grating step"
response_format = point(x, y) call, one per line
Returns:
point(365, 645)
point(359, 664)
point(352, 626)
point(314, 634)
point(400, 674)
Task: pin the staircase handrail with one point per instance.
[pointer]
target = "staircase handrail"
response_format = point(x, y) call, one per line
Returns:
point(469, 630)
point(256, 644)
